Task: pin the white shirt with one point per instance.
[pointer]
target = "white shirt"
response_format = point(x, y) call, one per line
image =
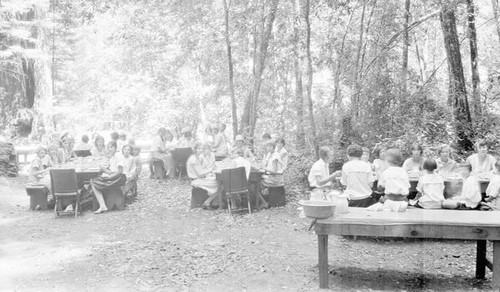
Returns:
point(380, 165)
point(493, 191)
point(471, 193)
point(242, 162)
point(282, 157)
point(115, 161)
point(431, 186)
point(446, 167)
point(358, 177)
point(129, 166)
point(319, 168)
point(395, 180)
point(485, 167)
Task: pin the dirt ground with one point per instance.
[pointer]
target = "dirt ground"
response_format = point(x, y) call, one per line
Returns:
point(158, 244)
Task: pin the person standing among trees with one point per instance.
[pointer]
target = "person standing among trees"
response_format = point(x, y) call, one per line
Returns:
point(276, 166)
point(220, 142)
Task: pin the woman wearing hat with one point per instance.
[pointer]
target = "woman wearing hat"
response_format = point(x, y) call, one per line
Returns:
point(240, 148)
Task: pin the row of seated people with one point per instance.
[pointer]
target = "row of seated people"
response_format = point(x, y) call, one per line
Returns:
point(481, 162)
point(125, 165)
point(201, 167)
point(164, 145)
point(358, 177)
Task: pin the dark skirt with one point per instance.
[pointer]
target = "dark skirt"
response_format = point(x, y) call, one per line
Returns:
point(103, 183)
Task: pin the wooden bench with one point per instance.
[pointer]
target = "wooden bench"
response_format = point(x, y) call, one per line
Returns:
point(416, 223)
point(38, 196)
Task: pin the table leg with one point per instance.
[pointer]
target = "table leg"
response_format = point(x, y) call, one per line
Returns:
point(496, 265)
point(480, 259)
point(323, 261)
point(219, 193)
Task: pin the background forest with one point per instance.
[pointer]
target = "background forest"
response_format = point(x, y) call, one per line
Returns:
point(317, 72)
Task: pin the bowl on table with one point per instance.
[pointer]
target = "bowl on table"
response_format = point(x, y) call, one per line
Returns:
point(318, 209)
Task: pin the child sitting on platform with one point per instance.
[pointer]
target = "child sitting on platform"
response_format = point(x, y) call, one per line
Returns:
point(396, 183)
point(430, 187)
point(319, 176)
point(358, 177)
point(493, 190)
point(471, 192)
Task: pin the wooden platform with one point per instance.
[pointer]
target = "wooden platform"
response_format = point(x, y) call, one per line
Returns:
point(416, 223)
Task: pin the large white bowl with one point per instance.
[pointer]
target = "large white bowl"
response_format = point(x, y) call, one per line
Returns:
point(318, 209)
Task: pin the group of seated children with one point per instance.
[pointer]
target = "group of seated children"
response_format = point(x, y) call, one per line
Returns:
point(201, 166)
point(118, 168)
point(164, 145)
point(358, 177)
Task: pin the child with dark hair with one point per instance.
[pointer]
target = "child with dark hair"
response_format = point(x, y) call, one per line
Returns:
point(395, 181)
point(471, 192)
point(430, 187)
point(84, 145)
point(357, 176)
point(493, 190)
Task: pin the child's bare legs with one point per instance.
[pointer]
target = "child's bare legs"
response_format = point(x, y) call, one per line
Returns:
point(100, 200)
point(450, 204)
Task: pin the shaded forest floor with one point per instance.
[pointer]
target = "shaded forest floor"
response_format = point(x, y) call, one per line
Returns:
point(158, 244)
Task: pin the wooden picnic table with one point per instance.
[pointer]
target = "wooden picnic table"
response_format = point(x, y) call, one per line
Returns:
point(85, 169)
point(416, 223)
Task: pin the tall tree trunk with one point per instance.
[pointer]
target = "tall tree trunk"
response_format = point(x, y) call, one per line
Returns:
point(471, 31)
point(310, 76)
point(299, 93)
point(249, 116)
point(355, 94)
point(337, 99)
point(457, 94)
point(230, 67)
point(406, 44)
point(494, 4)
point(420, 61)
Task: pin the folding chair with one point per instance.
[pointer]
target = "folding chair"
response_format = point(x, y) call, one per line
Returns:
point(180, 156)
point(64, 186)
point(235, 184)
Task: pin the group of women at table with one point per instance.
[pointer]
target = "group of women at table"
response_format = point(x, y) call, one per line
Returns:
point(117, 167)
point(270, 157)
point(429, 171)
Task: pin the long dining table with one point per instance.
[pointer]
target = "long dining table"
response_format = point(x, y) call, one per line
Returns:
point(416, 223)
